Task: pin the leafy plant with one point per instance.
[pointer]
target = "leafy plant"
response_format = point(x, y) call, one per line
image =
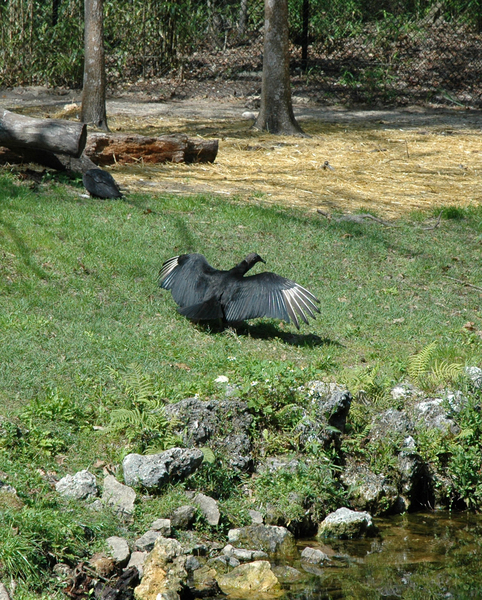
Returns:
point(144, 421)
point(423, 370)
point(310, 485)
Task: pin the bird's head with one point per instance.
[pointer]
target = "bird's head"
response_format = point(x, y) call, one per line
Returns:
point(253, 258)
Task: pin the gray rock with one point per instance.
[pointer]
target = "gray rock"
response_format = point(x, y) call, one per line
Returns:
point(274, 540)
point(183, 517)
point(431, 414)
point(256, 517)
point(475, 375)
point(61, 571)
point(204, 423)
point(277, 463)
point(192, 563)
point(4, 595)
point(287, 574)
point(314, 556)
point(137, 560)
point(369, 491)
point(244, 555)
point(81, 486)
point(162, 525)
point(5, 488)
point(146, 542)
point(394, 425)
point(208, 507)
point(155, 470)
point(118, 496)
point(324, 411)
point(347, 524)
point(118, 549)
point(97, 505)
point(404, 391)
point(416, 487)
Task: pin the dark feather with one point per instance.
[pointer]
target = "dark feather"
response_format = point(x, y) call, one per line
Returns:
point(204, 293)
point(101, 184)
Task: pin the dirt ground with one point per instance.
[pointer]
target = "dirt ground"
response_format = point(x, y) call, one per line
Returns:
point(385, 161)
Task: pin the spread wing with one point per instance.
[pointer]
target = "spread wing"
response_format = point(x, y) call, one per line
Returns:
point(269, 295)
point(188, 276)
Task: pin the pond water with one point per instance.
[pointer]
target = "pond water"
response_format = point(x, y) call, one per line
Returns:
point(416, 557)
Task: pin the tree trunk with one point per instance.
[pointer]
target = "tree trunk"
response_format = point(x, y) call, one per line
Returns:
point(93, 93)
point(243, 18)
point(50, 135)
point(276, 112)
point(304, 34)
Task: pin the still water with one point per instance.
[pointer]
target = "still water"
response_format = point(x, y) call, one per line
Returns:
point(416, 557)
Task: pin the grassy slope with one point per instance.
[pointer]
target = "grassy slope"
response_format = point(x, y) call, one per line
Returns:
point(79, 299)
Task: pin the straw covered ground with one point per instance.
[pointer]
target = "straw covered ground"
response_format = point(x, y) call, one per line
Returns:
point(383, 167)
point(385, 161)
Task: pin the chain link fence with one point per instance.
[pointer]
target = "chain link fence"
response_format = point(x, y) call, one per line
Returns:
point(370, 51)
point(435, 59)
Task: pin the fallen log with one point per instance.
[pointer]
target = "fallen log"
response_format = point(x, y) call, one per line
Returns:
point(107, 149)
point(59, 162)
point(58, 136)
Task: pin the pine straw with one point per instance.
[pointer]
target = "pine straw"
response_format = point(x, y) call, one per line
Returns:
point(376, 166)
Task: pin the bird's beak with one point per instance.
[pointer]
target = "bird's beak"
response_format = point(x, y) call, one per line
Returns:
point(263, 261)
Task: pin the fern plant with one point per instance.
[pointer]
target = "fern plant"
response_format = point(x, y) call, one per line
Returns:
point(423, 370)
point(144, 420)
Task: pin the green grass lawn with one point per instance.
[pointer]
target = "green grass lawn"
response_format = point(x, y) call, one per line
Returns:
point(79, 304)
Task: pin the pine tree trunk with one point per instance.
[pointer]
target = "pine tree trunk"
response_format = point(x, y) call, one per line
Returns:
point(276, 112)
point(93, 93)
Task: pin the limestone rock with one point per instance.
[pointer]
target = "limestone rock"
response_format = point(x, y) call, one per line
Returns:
point(244, 555)
point(120, 497)
point(203, 583)
point(138, 560)
point(369, 491)
point(392, 424)
point(4, 595)
point(81, 486)
point(208, 507)
point(287, 574)
point(274, 540)
point(325, 409)
point(146, 542)
point(347, 524)
point(164, 572)
point(155, 470)
point(118, 549)
point(475, 375)
point(251, 578)
point(314, 556)
point(183, 517)
point(431, 414)
point(204, 423)
point(162, 525)
point(256, 517)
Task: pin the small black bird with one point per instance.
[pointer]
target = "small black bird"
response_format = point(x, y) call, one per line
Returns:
point(204, 293)
point(101, 184)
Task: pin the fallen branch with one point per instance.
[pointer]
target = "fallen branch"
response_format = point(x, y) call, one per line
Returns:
point(436, 224)
point(465, 283)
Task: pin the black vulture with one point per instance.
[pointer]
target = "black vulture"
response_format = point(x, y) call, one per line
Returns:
point(100, 184)
point(204, 293)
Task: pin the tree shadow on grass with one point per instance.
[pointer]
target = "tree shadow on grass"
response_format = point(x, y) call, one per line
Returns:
point(23, 250)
